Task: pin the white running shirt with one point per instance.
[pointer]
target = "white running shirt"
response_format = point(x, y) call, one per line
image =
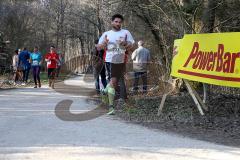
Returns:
point(116, 53)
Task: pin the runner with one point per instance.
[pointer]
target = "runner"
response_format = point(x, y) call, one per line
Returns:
point(116, 42)
point(24, 64)
point(36, 60)
point(52, 59)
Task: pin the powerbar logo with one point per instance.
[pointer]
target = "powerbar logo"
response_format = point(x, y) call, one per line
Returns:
point(219, 61)
point(212, 61)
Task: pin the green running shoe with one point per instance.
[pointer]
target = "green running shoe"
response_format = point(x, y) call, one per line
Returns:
point(111, 111)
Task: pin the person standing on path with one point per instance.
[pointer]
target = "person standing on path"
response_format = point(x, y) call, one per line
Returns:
point(19, 69)
point(141, 58)
point(52, 60)
point(59, 64)
point(15, 60)
point(36, 61)
point(116, 42)
point(99, 68)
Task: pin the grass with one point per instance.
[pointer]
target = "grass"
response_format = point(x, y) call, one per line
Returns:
point(44, 77)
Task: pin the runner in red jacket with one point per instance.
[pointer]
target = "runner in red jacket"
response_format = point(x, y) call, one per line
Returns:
point(52, 60)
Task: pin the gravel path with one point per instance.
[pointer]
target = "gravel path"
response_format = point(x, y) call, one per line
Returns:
point(30, 129)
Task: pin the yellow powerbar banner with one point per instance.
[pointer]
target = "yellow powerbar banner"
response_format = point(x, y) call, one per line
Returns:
point(210, 58)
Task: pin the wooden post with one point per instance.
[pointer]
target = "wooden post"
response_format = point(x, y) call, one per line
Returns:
point(190, 90)
point(162, 104)
point(199, 99)
point(196, 98)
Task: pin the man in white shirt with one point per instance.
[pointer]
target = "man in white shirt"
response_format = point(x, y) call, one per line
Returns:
point(116, 42)
point(141, 58)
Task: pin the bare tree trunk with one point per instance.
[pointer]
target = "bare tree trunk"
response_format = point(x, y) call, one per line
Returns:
point(82, 45)
point(208, 27)
point(100, 29)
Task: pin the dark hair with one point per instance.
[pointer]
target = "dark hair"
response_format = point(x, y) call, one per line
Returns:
point(36, 47)
point(52, 46)
point(117, 16)
point(16, 51)
point(96, 41)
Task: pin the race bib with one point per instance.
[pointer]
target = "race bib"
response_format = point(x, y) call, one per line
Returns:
point(116, 48)
point(117, 51)
point(35, 63)
point(49, 63)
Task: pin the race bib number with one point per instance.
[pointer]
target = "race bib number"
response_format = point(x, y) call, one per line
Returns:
point(35, 63)
point(116, 48)
point(49, 63)
point(117, 51)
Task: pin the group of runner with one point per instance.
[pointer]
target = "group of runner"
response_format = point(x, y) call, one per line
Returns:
point(112, 50)
point(24, 61)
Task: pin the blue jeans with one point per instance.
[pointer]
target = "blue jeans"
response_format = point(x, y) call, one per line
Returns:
point(138, 75)
point(26, 70)
point(101, 72)
point(108, 68)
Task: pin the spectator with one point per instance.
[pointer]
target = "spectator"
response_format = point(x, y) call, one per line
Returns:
point(15, 66)
point(141, 58)
point(59, 64)
point(99, 68)
point(19, 69)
